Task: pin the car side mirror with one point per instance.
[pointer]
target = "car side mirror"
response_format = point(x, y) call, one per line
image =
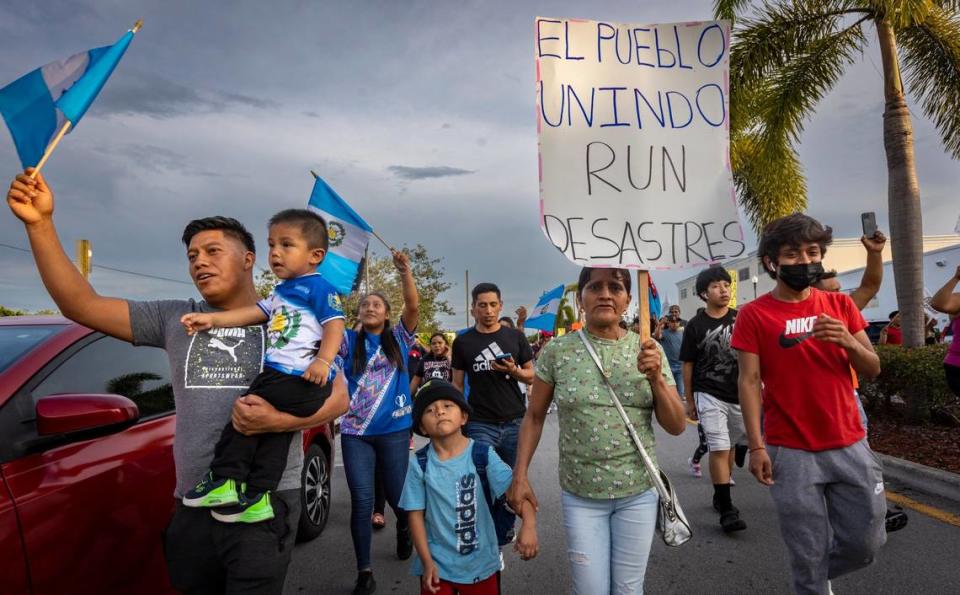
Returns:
point(67, 413)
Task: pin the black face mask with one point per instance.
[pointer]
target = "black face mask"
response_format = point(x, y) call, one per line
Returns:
point(800, 276)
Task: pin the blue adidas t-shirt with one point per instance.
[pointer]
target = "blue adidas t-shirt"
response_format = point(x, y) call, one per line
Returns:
point(460, 530)
point(297, 310)
point(380, 401)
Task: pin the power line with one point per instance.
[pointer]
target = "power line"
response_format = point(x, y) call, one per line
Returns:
point(114, 269)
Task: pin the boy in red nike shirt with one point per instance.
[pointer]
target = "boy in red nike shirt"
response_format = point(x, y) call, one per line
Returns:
point(800, 342)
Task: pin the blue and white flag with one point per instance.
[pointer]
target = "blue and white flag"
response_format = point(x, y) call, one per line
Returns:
point(37, 105)
point(544, 315)
point(349, 235)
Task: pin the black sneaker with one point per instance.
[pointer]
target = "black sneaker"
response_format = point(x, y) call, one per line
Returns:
point(895, 520)
point(740, 454)
point(365, 584)
point(730, 520)
point(404, 544)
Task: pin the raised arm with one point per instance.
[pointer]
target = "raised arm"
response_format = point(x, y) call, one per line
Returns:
point(945, 300)
point(411, 299)
point(32, 202)
point(873, 273)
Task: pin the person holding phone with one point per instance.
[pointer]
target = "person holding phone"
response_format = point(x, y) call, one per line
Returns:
point(494, 359)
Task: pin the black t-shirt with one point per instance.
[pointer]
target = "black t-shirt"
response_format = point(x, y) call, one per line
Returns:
point(494, 396)
point(706, 343)
point(434, 366)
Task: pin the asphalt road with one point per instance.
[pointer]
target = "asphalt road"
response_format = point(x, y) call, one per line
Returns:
point(922, 558)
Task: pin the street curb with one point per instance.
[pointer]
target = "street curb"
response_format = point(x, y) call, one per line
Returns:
point(922, 478)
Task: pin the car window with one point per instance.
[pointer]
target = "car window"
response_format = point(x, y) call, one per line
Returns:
point(15, 341)
point(111, 366)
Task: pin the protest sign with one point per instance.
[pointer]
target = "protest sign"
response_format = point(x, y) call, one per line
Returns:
point(633, 126)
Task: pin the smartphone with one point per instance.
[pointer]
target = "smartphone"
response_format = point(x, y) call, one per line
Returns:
point(869, 221)
point(504, 356)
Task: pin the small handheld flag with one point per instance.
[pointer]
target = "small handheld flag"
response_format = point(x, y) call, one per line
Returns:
point(40, 107)
point(348, 237)
point(656, 306)
point(544, 316)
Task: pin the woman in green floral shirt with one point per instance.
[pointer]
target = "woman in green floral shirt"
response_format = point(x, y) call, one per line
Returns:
point(609, 503)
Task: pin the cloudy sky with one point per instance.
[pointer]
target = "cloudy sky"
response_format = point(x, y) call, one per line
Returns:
point(420, 113)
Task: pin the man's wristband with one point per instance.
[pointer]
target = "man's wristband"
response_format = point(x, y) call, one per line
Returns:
point(758, 448)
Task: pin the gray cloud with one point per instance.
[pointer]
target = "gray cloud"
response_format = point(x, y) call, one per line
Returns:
point(423, 173)
point(154, 159)
point(157, 97)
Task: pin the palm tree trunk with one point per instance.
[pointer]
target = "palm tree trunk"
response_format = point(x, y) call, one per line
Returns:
point(903, 194)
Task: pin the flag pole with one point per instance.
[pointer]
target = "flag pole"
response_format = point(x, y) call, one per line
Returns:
point(375, 234)
point(50, 148)
point(643, 283)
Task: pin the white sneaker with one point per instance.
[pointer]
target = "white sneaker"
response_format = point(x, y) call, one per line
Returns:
point(694, 468)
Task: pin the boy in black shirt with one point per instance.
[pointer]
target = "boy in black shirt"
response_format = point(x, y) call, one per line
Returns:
point(494, 359)
point(710, 374)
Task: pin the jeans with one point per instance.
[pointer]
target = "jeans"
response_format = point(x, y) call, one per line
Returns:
point(503, 438)
point(677, 372)
point(608, 541)
point(361, 457)
point(207, 557)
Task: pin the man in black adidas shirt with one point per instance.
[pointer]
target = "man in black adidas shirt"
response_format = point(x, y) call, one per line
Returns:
point(494, 358)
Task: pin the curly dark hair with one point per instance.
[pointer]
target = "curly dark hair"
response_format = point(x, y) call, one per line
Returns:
point(792, 230)
point(228, 225)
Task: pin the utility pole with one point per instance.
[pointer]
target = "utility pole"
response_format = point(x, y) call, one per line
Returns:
point(84, 257)
point(467, 291)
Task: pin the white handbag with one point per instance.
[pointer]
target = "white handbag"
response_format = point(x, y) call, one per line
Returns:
point(671, 522)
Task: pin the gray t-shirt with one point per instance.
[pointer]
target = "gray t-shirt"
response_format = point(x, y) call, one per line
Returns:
point(209, 371)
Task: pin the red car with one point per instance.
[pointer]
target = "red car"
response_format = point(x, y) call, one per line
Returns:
point(86, 462)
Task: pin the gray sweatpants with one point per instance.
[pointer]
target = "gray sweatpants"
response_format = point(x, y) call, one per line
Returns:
point(831, 507)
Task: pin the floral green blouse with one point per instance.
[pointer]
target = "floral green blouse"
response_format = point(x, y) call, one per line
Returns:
point(597, 457)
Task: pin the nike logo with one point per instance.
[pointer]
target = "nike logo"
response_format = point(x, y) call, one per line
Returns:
point(788, 342)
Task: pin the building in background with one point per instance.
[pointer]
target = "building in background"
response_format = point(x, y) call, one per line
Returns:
point(941, 255)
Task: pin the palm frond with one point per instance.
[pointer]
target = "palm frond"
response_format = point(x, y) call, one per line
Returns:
point(902, 13)
point(931, 57)
point(769, 179)
point(796, 88)
point(729, 9)
point(776, 34)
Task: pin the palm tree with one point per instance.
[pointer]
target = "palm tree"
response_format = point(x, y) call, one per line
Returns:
point(788, 55)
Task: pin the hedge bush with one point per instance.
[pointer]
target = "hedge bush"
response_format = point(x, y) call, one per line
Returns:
point(916, 376)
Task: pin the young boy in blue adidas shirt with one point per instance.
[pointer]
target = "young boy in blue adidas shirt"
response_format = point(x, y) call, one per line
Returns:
point(450, 485)
point(306, 327)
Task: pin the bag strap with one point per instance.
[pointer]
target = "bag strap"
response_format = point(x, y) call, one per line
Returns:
point(652, 469)
point(480, 453)
point(422, 458)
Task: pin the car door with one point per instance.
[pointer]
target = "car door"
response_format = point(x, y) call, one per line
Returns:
point(92, 508)
point(13, 566)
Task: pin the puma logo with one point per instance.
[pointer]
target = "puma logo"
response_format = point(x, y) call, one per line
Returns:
point(220, 345)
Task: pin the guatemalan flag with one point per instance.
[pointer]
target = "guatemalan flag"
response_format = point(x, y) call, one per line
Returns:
point(37, 105)
point(545, 312)
point(349, 235)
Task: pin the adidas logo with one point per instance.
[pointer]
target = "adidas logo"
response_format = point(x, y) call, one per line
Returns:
point(482, 362)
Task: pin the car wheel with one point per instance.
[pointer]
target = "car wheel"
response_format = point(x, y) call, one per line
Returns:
point(314, 494)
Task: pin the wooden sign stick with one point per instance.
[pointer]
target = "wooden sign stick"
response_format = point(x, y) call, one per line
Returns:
point(643, 286)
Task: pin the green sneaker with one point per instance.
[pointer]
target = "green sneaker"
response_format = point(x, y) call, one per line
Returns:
point(211, 492)
point(253, 509)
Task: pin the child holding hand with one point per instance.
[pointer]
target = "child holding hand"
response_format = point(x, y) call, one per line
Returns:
point(450, 486)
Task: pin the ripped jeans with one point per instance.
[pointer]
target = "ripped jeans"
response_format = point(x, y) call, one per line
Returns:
point(608, 542)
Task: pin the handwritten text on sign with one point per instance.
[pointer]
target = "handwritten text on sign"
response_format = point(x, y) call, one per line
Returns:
point(634, 143)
